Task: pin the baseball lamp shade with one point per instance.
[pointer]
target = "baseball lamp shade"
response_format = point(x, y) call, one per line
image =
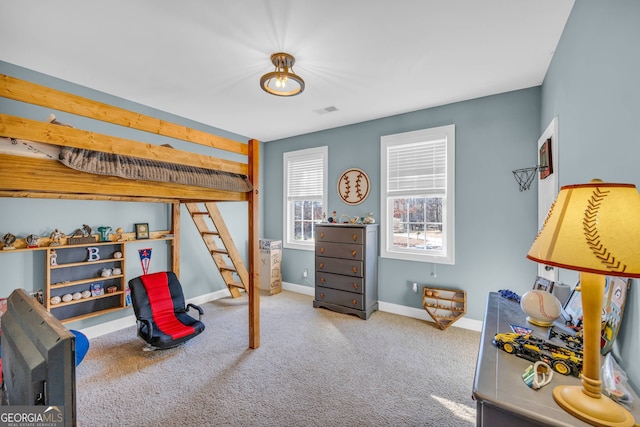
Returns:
point(592, 228)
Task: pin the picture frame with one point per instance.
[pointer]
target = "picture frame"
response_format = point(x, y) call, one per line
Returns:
point(543, 284)
point(615, 295)
point(572, 310)
point(142, 231)
point(546, 164)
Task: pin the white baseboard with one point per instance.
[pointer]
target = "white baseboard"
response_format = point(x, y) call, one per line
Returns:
point(299, 289)
point(402, 310)
point(419, 313)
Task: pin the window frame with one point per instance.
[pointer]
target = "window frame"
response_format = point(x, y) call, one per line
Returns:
point(307, 154)
point(447, 254)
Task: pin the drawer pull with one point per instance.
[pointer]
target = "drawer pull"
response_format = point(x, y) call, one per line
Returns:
point(354, 253)
point(354, 269)
point(322, 295)
point(354, 237)
point(321, 265)
point(321, 250)
point(355, 286)
point(322, 280)
point(354, 302)
point(321, 235)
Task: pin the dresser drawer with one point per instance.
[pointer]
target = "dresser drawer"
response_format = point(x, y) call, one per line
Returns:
point(340, 250)
point(340, 282)
point(339, 266)
point(334, 296)
point(339, 234)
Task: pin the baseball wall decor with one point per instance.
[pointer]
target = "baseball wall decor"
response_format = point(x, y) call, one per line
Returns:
point(353, 186)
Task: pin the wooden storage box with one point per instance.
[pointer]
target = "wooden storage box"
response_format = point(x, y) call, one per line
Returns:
point(271, 265)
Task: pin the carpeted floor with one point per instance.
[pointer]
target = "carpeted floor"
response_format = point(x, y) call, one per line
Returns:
point(314, 368)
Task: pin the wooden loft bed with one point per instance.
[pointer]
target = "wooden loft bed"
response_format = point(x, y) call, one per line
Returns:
point(48, 178)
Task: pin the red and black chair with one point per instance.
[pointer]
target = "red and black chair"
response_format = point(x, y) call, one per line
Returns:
point(162, 317)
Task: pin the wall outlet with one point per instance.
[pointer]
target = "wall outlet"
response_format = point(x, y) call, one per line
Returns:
point(305, 273)
point(415, 287)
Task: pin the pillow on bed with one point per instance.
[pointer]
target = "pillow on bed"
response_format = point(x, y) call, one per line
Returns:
point(21, 147)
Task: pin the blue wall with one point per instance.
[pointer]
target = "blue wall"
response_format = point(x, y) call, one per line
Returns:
point(22, 217)
point(592, 86)
point(495, 222)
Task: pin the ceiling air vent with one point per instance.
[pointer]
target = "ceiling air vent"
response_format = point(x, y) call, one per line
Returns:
point(326, 110)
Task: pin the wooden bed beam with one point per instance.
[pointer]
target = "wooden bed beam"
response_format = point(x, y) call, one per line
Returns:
point(31, 175)
point(175, 243)
point(254, 235)
point(32, 93)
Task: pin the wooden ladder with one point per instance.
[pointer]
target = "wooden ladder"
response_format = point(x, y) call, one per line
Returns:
point(217, 238)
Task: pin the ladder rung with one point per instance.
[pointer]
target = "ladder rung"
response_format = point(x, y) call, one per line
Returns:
point(236, 285)
point(200, 213)
point(227, 268)
point(212, 233)
point(219, 251)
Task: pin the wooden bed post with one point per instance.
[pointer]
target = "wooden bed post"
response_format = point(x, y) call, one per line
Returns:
point(254, 258)
point(175, 243)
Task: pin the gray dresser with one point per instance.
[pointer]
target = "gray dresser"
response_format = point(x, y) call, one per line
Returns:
point(347, 268)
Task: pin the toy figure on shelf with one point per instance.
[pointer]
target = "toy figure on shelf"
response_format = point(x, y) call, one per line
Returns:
point(56, 237)
point(81, 236)
point(53, 258)
point(8, 240)
point(32, 240)
point(369, 218)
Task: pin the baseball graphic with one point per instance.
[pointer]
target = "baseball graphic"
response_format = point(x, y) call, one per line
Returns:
point(353, 186)
point(541, 307)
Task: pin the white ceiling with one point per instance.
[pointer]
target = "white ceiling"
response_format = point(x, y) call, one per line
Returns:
point(202, 59)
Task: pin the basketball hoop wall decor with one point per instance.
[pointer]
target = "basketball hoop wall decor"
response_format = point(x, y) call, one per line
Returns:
point(524, 177)
point(353, 186)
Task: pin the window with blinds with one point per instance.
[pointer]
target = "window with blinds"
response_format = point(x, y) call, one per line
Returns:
point(417, 212)
point(305, 184)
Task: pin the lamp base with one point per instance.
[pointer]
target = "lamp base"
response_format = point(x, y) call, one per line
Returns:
point(598, 412)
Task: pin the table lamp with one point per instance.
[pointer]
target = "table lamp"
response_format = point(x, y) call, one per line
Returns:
point(594, 229)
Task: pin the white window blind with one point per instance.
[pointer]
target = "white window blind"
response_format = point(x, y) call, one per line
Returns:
point(305, 177)
point(418, 167)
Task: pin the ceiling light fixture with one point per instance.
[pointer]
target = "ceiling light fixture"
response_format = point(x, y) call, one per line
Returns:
point(282, 81)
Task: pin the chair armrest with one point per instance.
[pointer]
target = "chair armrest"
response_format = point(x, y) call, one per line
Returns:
point(196, 307)
point(149, 325)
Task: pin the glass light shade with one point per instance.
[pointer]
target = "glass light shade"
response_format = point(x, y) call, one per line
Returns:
point(282, 81)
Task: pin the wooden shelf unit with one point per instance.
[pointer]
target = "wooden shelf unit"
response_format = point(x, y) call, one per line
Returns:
point(445, 306)
point(74, 271)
